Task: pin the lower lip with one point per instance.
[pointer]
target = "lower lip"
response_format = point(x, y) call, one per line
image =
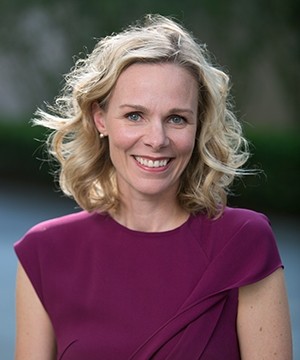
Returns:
point(153, 169)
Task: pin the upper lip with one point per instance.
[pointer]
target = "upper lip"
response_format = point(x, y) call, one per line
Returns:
point(152, 162)
point(153, 158)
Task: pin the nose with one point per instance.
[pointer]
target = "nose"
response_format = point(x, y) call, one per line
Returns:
point(156, 135)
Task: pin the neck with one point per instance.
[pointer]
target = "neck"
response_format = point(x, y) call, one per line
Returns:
point(150, 216)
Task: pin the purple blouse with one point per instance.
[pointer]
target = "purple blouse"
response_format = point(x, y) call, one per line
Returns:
point(117, 294)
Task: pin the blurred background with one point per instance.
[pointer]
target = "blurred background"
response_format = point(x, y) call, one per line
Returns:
point(257, 42)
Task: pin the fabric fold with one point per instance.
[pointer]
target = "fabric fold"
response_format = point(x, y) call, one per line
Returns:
point(246, 257)
point(188, 327)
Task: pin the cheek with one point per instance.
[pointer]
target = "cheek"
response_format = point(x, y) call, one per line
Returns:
point(186, 145)
point(120, 141)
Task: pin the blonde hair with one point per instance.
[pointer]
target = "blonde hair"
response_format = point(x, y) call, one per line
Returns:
point(86, 172)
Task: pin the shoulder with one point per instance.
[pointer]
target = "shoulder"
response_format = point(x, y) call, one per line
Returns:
point(234, 223)
point(51, 249)
point(240, 216)
point(237, 218)
point(250, 243)
point(244, 223)
point(67, 227)
point(247, 227)
point(240, 246)
point(239, 235)
point(62, 223)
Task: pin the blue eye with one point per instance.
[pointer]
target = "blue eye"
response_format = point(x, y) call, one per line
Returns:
point(177, 120)
point(133, 116)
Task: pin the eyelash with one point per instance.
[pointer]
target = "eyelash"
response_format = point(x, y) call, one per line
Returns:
point(171, 118)
point(183, 120)
point(129, 116)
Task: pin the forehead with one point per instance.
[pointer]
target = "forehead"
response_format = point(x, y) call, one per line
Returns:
point(161, 82)
point(149, 71)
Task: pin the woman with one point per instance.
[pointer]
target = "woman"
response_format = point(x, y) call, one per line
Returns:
point(155, 266)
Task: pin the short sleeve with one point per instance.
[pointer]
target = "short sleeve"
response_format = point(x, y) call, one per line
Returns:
point(248, 253)
point(49, 248)
point(255, 251)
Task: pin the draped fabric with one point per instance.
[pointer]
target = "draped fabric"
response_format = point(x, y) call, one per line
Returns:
point(114, 293)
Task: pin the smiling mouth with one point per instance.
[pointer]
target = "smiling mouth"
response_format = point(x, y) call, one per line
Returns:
point(152, 163)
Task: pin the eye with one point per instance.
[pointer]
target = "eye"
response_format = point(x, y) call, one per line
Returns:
point(177, 120)
point(133, 116)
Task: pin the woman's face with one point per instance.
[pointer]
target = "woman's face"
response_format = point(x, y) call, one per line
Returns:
point(151, 122)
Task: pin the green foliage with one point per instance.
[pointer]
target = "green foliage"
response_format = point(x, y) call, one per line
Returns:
point(276, 187)
point(24, 157)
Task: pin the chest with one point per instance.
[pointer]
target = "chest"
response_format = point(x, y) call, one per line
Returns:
point(110, 298)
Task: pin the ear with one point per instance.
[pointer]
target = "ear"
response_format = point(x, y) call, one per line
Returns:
point(99, 118)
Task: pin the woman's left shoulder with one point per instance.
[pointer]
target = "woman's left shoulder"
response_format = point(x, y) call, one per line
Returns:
point(247, 226)
point(241, 216)
point(246, 222)
point(252, 245)
point(240, 247)
point(241, 230)
point(236, 222)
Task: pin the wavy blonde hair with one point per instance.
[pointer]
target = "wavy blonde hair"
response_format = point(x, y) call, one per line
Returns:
point(86, 172)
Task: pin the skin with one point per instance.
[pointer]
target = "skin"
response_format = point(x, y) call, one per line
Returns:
point(35, 338)
point(152, 114)
point(263, 321)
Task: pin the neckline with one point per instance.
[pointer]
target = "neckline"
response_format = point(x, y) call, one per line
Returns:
point(132, 232)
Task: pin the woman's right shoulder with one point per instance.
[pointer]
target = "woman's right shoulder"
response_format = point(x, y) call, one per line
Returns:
point(66, 226)
point(62, 222)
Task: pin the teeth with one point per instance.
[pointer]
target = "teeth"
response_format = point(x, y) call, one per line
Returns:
point(151, 163)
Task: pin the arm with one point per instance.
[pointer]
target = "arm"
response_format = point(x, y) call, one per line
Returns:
point(263, 321)
point(34, 337)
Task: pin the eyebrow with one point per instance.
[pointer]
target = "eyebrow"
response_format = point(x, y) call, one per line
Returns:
point(144, 109)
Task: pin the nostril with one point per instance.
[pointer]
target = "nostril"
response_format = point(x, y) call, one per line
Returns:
point(156, 140)
point(157, 144)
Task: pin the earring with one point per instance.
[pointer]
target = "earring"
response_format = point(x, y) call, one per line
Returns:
point(101, 135)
